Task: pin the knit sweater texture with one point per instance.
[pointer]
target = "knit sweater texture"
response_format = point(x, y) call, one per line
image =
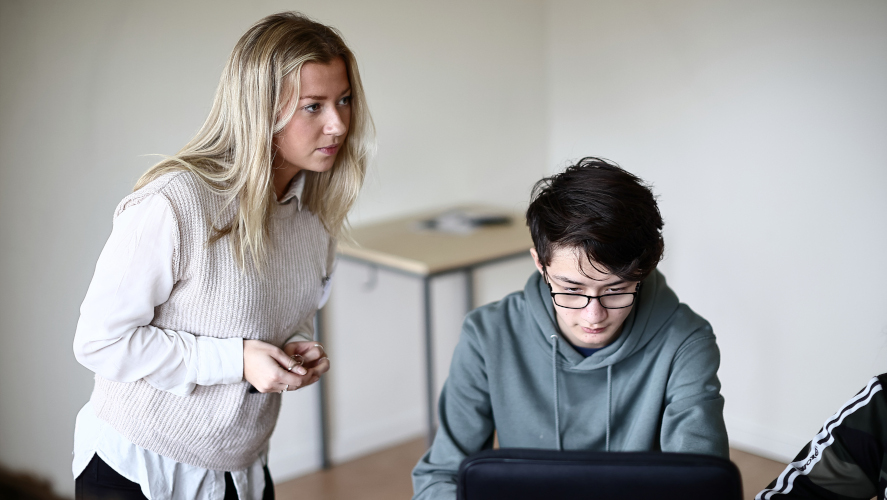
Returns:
point(220, 427)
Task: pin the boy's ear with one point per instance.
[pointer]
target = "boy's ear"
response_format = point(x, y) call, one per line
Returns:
point(536, 259)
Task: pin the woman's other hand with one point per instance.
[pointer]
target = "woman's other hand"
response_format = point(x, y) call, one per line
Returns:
point(266, 367)
point(315, 359)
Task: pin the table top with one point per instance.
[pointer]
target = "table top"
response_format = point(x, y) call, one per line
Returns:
point(402, 245)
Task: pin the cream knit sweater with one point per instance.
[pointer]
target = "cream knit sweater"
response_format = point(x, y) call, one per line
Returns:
point(221, 427)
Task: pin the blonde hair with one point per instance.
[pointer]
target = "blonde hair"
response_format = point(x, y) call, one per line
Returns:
point(233, 151)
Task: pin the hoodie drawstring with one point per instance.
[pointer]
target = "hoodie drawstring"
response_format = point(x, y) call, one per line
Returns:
point(557, 424)
point(609, 398)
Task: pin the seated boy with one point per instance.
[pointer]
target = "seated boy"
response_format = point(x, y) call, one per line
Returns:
point(596, 353)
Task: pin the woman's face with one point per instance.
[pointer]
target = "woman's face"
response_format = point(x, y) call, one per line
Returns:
point(315, 134)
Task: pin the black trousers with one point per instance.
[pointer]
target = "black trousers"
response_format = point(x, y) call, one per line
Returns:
point(99, 481)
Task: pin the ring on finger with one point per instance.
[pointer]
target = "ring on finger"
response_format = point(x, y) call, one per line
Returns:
point(285, 389)
point(298, 360)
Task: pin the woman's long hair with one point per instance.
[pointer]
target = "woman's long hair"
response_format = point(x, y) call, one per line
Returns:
point(233, 151)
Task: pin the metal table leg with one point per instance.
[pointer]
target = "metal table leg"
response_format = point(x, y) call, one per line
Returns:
point(469, 289)
point(429, 357)
point(322, 391)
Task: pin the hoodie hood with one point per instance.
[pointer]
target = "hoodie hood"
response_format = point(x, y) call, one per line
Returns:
point(654, 307)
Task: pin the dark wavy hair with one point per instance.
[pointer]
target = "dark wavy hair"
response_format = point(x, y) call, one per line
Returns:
point(600, 209)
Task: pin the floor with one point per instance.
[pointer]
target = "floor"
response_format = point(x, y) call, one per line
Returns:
point(757, 472)
point(386, 476)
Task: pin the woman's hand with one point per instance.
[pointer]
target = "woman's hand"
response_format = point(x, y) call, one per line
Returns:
point(314, 360)
point(267, 368)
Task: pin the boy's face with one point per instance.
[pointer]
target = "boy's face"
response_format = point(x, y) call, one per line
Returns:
point(592, 326)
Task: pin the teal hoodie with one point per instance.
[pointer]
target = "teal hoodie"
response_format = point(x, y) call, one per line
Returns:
point(654, 388)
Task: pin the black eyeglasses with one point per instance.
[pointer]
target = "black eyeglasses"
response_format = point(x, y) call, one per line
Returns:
point(579, 301)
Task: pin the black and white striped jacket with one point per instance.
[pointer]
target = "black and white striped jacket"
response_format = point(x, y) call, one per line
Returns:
point(846, 460)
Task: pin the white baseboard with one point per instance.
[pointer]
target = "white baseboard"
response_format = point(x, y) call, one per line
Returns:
point(763, 441)
point(375, 436)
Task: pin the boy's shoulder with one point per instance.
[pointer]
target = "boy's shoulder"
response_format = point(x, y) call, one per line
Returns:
point(498, 322)
point(490, 314)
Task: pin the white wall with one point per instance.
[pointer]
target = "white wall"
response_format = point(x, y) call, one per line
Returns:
point(762, 125)
point(88, 88)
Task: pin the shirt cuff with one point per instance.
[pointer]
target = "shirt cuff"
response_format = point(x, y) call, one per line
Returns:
point(299, 337)
point(219, 361)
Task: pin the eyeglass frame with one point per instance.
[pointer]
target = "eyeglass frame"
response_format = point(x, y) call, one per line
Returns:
point(588, 298)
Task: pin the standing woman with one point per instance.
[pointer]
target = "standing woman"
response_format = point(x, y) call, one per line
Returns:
point(200, 312)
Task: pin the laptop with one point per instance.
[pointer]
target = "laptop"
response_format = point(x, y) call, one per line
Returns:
point(518, 474)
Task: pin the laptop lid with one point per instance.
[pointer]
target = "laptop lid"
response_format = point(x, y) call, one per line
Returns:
point(518, 474)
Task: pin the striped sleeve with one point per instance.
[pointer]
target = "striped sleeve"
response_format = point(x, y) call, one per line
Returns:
point(845, 460)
